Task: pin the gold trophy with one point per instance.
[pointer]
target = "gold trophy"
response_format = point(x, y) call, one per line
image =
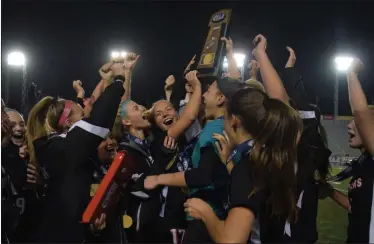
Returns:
point(211, 57)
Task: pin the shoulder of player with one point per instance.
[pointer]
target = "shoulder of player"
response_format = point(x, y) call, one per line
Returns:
point(211, 128)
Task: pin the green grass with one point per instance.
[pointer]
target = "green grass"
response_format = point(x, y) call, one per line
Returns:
point(333, 219)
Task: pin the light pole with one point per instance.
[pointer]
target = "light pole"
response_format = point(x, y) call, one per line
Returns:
point(18, 59)
point(342, 63)
point(240, 60)
point(117, 54)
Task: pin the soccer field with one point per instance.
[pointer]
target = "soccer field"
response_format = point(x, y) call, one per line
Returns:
point(333, 219)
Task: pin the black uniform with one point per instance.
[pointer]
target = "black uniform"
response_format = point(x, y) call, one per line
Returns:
point(271, 227)
point(172, 216)
point(25, 199)
point(68, 172)
point(313, 155)
point(142, 206)
point(361, 199)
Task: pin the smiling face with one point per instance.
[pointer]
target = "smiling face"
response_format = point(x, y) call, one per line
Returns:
point(19, 127)
point(133, 115)
point(213, 99)
point(107, 150)
point(164, 115)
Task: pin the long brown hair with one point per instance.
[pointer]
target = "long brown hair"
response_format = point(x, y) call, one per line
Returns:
point(275, 127)
point(43, 120)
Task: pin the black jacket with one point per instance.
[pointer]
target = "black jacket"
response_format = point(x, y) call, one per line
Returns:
point(143, 206)
point(68, 172)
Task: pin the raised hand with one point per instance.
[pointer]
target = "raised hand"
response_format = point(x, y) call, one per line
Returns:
point(169, 82)
point(192, 78)
point(291, 59)
point(260, 44)
point(106, 72)
point(229, 44)
point(223, 145)
point(77, 86)
point(356, 66)
point(130, 61)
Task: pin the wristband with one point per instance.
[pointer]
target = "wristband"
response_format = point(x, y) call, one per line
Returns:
point(119, 78)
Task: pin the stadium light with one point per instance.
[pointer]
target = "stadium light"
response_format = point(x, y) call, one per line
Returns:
point(342, 63)
point(16, 59)
point(239, 58)
point(117, 54)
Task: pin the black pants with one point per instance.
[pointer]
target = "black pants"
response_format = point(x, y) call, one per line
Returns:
point(196, 233)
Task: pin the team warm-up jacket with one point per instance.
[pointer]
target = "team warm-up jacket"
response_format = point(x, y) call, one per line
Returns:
point(68, 172)
point(141, 205)
point(312, 155)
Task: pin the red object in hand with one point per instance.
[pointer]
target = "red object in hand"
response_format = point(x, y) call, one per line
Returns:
point(110, 188)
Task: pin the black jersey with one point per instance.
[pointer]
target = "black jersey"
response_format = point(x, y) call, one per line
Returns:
point(361, 198)
point(68, 171)
point(242, 194)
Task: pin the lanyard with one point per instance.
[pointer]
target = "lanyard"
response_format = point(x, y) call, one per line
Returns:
point(142, 143)
point(244, 147)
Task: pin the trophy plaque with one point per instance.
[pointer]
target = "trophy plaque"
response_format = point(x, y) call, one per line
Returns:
point(211, 57)
point(110, 188)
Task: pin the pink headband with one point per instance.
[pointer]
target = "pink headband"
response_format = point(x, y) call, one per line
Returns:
point(65, 113)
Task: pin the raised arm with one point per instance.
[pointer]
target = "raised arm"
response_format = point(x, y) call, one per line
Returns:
point(77, 86)
point(129, 64)
point(360, 109)
point(253, 68)
point(294, 84)
point(232, 65)
point(169, 82)
point(272, 82)
point(191, 111)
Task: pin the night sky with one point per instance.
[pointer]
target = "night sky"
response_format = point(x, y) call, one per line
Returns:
point(68, 40)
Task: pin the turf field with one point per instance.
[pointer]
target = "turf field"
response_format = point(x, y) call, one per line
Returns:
point(333, 219)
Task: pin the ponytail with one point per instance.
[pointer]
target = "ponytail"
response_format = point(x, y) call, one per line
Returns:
point(43, 119)
point(275, 155)
point(36, 124)
point(275, 126)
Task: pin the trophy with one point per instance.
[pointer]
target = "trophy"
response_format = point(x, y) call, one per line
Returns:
point(110, 188)
point(211, 57)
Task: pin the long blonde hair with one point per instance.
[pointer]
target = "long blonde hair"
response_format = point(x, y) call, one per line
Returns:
point(43, 120)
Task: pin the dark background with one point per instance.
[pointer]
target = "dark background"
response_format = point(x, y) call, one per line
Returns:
point(67, 40)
